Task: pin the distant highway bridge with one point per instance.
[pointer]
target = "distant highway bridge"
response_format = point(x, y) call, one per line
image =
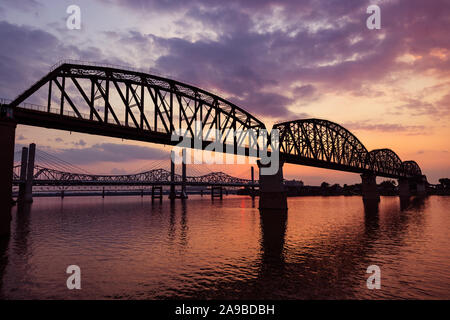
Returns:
point(161, 177)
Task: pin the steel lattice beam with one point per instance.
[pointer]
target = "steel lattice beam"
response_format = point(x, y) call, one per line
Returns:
point(50, 177)
point(135, 105)
point(322, 143)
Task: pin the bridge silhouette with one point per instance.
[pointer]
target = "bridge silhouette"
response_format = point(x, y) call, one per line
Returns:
point(129, 104)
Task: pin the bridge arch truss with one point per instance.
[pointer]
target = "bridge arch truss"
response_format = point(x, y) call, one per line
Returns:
point(108, 101)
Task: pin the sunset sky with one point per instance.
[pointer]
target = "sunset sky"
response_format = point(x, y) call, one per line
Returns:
point(279, 60)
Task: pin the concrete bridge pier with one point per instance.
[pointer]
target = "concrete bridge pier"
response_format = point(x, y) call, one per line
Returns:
point(252, 189)
point(404, 188)
point(369, 188)
point(23, 175)
point(7, 137)
point(183, 176)
point(422, 186)
point(27, 174)
point(272, 194)
point(172, 193)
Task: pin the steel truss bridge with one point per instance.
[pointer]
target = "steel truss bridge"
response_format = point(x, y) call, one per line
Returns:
point(51, 177)
point(111, 101)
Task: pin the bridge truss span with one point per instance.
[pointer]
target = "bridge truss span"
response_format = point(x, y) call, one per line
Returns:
point(50, 177)
point(130, 104)
point(321, 143)
point(135, 105)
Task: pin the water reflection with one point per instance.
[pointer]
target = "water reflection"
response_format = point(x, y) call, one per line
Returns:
point(22, 228)
point(199, 249)
point(371, 219)
point(273, 230)
point(4, 243)
point(183, 224)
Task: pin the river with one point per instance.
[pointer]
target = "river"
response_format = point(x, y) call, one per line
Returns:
point(130, 248)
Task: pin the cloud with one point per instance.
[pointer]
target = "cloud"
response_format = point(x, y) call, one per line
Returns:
point(368, 125)
point(27, 53)
point(108, 152)
point(80, 143)
point(22, 5)
point(118, 171)
point(266, 46)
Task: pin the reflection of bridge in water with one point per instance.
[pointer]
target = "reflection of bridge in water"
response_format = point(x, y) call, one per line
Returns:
point(111, 101)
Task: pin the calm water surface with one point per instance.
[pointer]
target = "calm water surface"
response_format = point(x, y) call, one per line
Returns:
point(129, 248)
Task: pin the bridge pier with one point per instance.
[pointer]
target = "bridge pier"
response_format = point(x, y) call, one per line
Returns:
point(23, 175)
point(272, 194)
point(404, 188)
point(422, 186)
point(28, 196)
point(27, 174)
point(172, 193)
point(159, 195)
point(369, 188)
point(183, 176)
point(213, 193)
point(7, 137)
point(252, 189)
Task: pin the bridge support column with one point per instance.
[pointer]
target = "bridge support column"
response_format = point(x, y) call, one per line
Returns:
point(160, 193)
point(404, 188)
point(422, 186)
point(369, 187)
point(30, 173)
point(183, 176)
point(7, 136)
point(23, 175)
point(172, 193)
point(216, 195)
point(272, 194)
point(252, 189)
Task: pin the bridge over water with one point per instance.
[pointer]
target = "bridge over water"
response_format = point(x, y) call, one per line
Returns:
point(130, 104)
point(50, 173)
